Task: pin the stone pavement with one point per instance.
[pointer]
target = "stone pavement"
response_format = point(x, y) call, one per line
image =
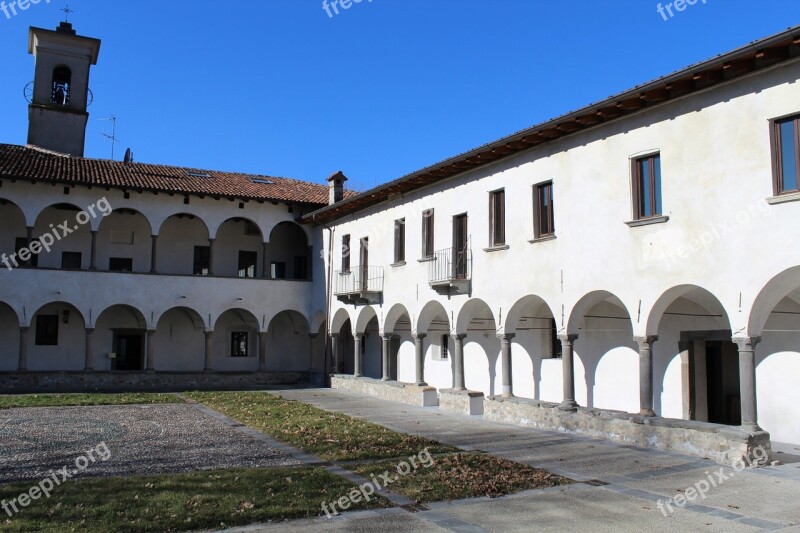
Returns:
point(619, 490)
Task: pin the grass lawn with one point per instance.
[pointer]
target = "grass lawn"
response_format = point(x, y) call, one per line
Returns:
point(65, 400)
point(180, 502)
point(327, 435)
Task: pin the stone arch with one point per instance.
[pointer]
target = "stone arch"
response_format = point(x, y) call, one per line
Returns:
point(238, 249)
point(288, 246)
point(397, 313)
point(340, 318)
point(125, 235)
point(776, 289)
point(289, 343)
point(700, 296)
point(49, 221)
point(433, 314)
point(180, 340)
point(179, 236)
point(364, 318)
point(68, 352)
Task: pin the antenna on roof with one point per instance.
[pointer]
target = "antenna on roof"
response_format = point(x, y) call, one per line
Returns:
point(113, 136)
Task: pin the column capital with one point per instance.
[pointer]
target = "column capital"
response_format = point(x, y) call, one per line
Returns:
point(506, 336)
point(357, 335)
point(208, 333)
point(24, 329)
point(458, 336)
point(419, 336)
point(645, 342)
point(313, 335)
point(335, 335)
point(567, 338)
point(387, 336)
point(89, 330)
point(746, 344)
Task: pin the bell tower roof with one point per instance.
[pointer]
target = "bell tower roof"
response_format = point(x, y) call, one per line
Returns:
point(64, 37)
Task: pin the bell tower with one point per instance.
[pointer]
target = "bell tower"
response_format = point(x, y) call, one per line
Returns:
point(57, 115)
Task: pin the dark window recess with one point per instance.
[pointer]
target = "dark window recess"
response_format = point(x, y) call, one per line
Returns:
point(427, 233)
point(278, 270)
point(239, 344)
point(300, 267)
point(443, 348)
point(62, 83)
point(497, 218)
point(202, 261)
point(787, 154)
point(399, 240)
point(555, 342)
point(345, 253)
point(647, 186)
point(71, 260)
point(247, 264)
point(544, 216)
point(120, 264)
point(19, 244)
point(47, 330)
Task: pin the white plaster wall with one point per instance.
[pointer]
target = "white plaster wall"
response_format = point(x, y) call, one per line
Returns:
point(139, 251)
point(80, 240)
point(406, 362)
point(228, 323)
point(231, 239)
point(13, 227)
point(70, 353)
point(288, 344)
point(179, 342)
point(176, 241)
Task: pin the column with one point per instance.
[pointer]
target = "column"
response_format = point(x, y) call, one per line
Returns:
point(420, 359)
point(569, 403)
point(93, 256)
point(262, 352)
point(334, 353)
point(88, 364)
point(646, 374)
point(357, 355)
point(151, 350)
point(687, 378)
point(747, 381)
point(311, 338)
point(385, 347)
point(211, 256)
point(458, 344)
point(23, 349)
point(154, 248)
point(505, 355)
point(208, 367)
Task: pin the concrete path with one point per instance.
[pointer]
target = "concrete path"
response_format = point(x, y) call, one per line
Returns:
point(620, 486)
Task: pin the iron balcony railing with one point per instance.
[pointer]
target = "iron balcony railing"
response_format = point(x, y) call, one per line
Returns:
point(359, 280)
point(450, 265)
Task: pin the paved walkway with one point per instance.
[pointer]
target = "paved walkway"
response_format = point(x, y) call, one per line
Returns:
point(619, 491)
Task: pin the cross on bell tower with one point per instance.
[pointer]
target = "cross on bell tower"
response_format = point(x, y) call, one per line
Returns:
point(57, 115)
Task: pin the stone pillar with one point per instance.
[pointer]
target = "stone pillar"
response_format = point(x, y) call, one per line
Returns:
point(646, 374)
point(747, 382)
point(211, 256)
point(458, 356)
point(357, 372)
point(687, 377)
point(262, 352)
point(334, 353)
point(385, 348)
point(22, 366)
point(88, 364)
point(505, 355)
point(93, 254)
point(208, 367)
point(153, 253)
point(265, 273)
point(568, 368)
point(420, 359)
point(151, 350)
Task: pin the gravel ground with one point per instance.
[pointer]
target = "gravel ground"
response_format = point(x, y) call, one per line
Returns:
point(140, 439)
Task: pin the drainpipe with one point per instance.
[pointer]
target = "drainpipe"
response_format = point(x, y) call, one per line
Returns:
point(329, 278)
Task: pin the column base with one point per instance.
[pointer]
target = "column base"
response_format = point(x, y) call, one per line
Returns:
point(421, 384)
point(647, 412)
point(568, 405)
point(752, 428)
point(386, 379)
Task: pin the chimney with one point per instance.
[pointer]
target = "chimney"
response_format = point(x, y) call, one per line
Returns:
point(336, 187)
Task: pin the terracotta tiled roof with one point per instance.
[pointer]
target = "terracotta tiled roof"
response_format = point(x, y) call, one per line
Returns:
point(36, 164)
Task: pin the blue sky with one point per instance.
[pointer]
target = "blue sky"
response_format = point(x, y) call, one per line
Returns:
point(382, 89)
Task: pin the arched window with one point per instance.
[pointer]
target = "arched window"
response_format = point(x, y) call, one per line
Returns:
point(62, 83)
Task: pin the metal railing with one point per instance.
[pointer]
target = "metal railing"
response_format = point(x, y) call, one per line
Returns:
point(450, 265)
point(359, 279)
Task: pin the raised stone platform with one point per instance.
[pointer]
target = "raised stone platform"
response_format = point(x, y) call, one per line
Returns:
point(723, 444)
point(393, 391)
point(462, 402)
point(27, 382)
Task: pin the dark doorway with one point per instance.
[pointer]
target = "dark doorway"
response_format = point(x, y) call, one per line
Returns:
point(722, 378)
point(460, 244)
point(129, 348)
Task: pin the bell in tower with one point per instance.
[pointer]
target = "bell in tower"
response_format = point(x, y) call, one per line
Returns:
point(57, 115)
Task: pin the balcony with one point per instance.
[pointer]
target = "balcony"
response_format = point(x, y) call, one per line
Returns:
point(451, 269)
point(359, 285)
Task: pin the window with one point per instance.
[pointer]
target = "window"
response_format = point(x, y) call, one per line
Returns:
point(47, 330)
point(399, 241)
point(787, 155)
point(497, 218)
point(247, 264)
point(278, 270)
point(443, 348)
point(70, 260)
point(647, 187)
point(345, 253)
point(239, 344)
point(19, 244)
point(555, 342)
point(202, 261)
point(427, 234)
point(543, 215)
point(300, 267)
point(120, 264)
point(62, 82)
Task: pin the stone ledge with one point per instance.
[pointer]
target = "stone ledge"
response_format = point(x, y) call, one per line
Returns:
point(462, 402)
point(723, 444)
point(393, 391)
